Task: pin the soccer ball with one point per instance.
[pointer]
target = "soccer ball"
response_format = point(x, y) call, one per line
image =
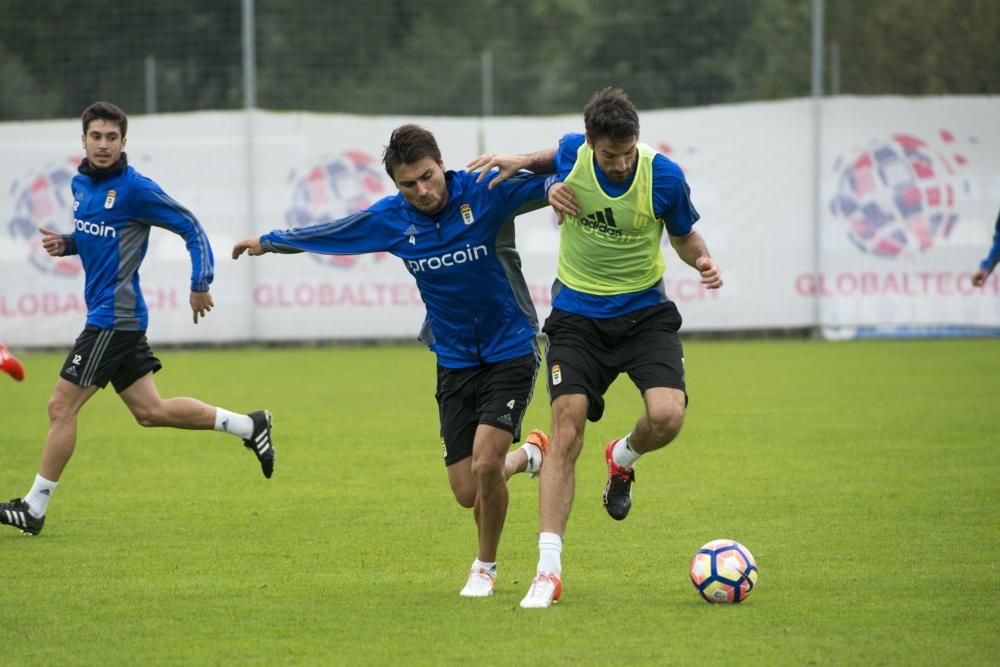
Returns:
point(724, 571)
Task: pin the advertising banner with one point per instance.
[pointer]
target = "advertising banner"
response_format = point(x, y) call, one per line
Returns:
point(858, 215)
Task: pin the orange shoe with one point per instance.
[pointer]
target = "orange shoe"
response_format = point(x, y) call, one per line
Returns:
point(540, 440)
point(10, 365)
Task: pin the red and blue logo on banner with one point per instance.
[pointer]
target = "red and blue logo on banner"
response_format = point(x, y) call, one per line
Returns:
point(335, 187)
point(898, 195)
point(43, 199)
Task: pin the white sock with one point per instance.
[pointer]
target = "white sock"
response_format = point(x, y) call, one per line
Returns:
point(489, 567)
point(550, 553)
point(39, 496)
point(623, 454)
point(534, 457)
point(231, 422)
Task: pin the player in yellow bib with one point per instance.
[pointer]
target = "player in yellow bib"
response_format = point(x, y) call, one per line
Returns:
point(610, 311)
point(613, 245)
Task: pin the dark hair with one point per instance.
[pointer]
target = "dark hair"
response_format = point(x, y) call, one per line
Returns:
point(105, 111)
point(611, 114)
point(407, 144)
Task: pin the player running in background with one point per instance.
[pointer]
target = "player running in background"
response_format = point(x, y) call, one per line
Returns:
point(10, 364)
point(115, 206)
point(610, 311)
point(456, 238)
point(990, 263)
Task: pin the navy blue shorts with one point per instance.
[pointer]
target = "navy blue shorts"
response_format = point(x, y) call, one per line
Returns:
point(586, 354)
point(496, 394)
point(100, 356)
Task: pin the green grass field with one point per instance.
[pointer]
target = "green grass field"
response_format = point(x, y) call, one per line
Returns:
point(864, 476)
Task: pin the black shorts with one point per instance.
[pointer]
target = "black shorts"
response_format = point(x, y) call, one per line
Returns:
point(495, 394)
point(102, 355)
point(586, 354)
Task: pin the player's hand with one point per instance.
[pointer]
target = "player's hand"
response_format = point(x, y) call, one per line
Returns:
point(53, 242)
point(979, 277)
point(249, 245)
point(506, 164)
point(201, 303)
point(711, 275)
point(563, 201)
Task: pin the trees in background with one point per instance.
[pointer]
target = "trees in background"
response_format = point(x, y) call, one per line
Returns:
point(548, 56)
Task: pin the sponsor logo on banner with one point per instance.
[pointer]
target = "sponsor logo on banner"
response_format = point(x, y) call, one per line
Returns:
point(333, 187)
point(42, 198)
point(897, 196)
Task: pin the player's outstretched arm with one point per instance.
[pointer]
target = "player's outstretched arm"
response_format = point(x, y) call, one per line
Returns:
point(249, 245)
point(693, 250)
point(201, 303)
point(539, 162)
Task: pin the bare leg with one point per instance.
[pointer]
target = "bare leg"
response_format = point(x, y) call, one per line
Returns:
point(488, 455)
point(60, 441)
point(464, 486)
point(557, 484)
point(662, 421)
point(150, 409)
point(556, 489)
point(474, 482)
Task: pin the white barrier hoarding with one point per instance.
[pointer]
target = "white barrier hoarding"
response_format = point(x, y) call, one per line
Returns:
point(911, 190)
point(908, 193)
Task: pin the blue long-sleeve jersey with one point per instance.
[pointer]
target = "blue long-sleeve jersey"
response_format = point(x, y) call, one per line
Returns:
point(113, 215)
point(463, 259)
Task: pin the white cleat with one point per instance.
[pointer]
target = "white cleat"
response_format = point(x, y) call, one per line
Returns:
point(480, 583)
point(544, 592)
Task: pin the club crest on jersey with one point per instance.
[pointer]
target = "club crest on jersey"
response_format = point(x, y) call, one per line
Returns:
point(467, 216)
point(556, 374)
point(109, 201)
